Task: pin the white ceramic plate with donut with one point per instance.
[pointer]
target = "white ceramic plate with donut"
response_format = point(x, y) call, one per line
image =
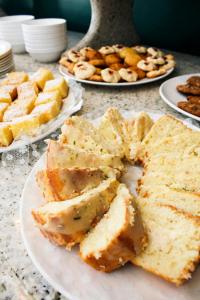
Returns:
point(171, 96)
point(65, 271)
point(65, 73)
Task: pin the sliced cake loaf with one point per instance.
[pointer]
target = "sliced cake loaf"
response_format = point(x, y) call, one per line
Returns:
point(135, 131)
point(118, 237)
point(112, 132)
point(63, 184)
point(166, 126)
point(174, 243)
point(66, 222)
point(79, 132)
point(64, 156)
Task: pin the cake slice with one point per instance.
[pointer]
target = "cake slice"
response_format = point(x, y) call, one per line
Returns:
point(79, 132)
point(63, 184)
point(174, 243)
point(10, 89)
point(64, 156)
point(47, 111)
point(112, 132)
point(58, 84)
point(66, 222)
point(41, 76)
point(6, 136)
point(3, 107)
point(15, 78)
point(118, 237)
point(135, 131)
point(26, 125)
point(166, 126)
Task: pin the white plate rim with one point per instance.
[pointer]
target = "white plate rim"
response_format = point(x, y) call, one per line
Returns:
point(47, 276)
point(167, 100)
point(22, 143)
point(64, 73)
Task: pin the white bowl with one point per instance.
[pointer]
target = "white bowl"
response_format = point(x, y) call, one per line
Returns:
point(46, 57)
point(41, 34)
point(46, 50)
point(11, 30)
point(45, 25)
point(46, 45)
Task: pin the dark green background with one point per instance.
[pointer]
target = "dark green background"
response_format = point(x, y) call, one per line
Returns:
point(172, 24)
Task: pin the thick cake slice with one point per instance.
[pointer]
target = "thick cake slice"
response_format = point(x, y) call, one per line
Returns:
point(15, 78)
point(118, 237)
point(41, 76)
point(174, 243)
point(58, 84)
point(135, 131)
point(66, 222)
point(63, 184)
point(79, 132)
point(6, 136)
point(112, 132)
point(166, 126)
point(64, 156)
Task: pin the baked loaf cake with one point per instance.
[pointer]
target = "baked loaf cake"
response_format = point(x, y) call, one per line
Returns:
point(118, 237)
point(174, 243)
point(88, 161)
point(66, 222)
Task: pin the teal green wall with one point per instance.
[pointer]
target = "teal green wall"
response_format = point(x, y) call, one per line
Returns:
point(172, 24)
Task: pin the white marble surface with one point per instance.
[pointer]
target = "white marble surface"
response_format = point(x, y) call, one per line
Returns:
point(19, 280)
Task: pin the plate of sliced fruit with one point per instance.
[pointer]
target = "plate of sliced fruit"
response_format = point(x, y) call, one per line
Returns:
point(34, 105)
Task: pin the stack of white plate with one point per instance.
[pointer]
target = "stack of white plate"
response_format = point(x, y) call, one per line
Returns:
point(45, 39)
point(6, 58)
point(11, 31)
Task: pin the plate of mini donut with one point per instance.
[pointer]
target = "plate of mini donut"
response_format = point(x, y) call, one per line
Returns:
point(182, 93)
point(116, 65)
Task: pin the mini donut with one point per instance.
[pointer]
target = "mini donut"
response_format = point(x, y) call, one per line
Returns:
point(154, 52)
point(96, 77)
point(155, 73)
point(169, 57)
point(146, 66)
point(116, 67)
point(169, 65)
point(156, 61)
point(110, 75)
point(140, 49)
point(105, 50)
point(97, 62)
point(117, 47)
point(84, 70)
point(112, 59)
point(141, 73)
point(66, 62)
point(128, 75)
point(75, 56)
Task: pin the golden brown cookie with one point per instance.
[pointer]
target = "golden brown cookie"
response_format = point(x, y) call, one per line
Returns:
point(66, 62)
point(191, 108)
point(117, 66)
point(96, 77)
point(194, 99)
point(92, 54)
point(194, 80)
point(188, 89)
point(112, 59)
point(141, 73)
point(97, 62)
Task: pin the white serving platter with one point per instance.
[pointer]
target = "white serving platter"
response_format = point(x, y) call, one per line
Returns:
point(65, 73)
point(76, 280)
point(72, 104)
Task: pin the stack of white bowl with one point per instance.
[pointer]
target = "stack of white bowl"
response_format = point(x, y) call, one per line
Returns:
point(45, 39)
point(11, 31)
point(6, 58)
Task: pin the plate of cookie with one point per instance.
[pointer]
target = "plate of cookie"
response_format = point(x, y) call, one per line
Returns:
point(34, 105)
point(84, 195)
point(182, 93)
point(116, 65)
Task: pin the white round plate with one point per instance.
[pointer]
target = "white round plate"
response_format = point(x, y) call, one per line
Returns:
point(65, 73)
point(171, 96)
point(72, 104)
point(76, 280)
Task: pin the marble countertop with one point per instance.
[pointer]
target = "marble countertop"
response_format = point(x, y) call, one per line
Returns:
point(19, 279)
